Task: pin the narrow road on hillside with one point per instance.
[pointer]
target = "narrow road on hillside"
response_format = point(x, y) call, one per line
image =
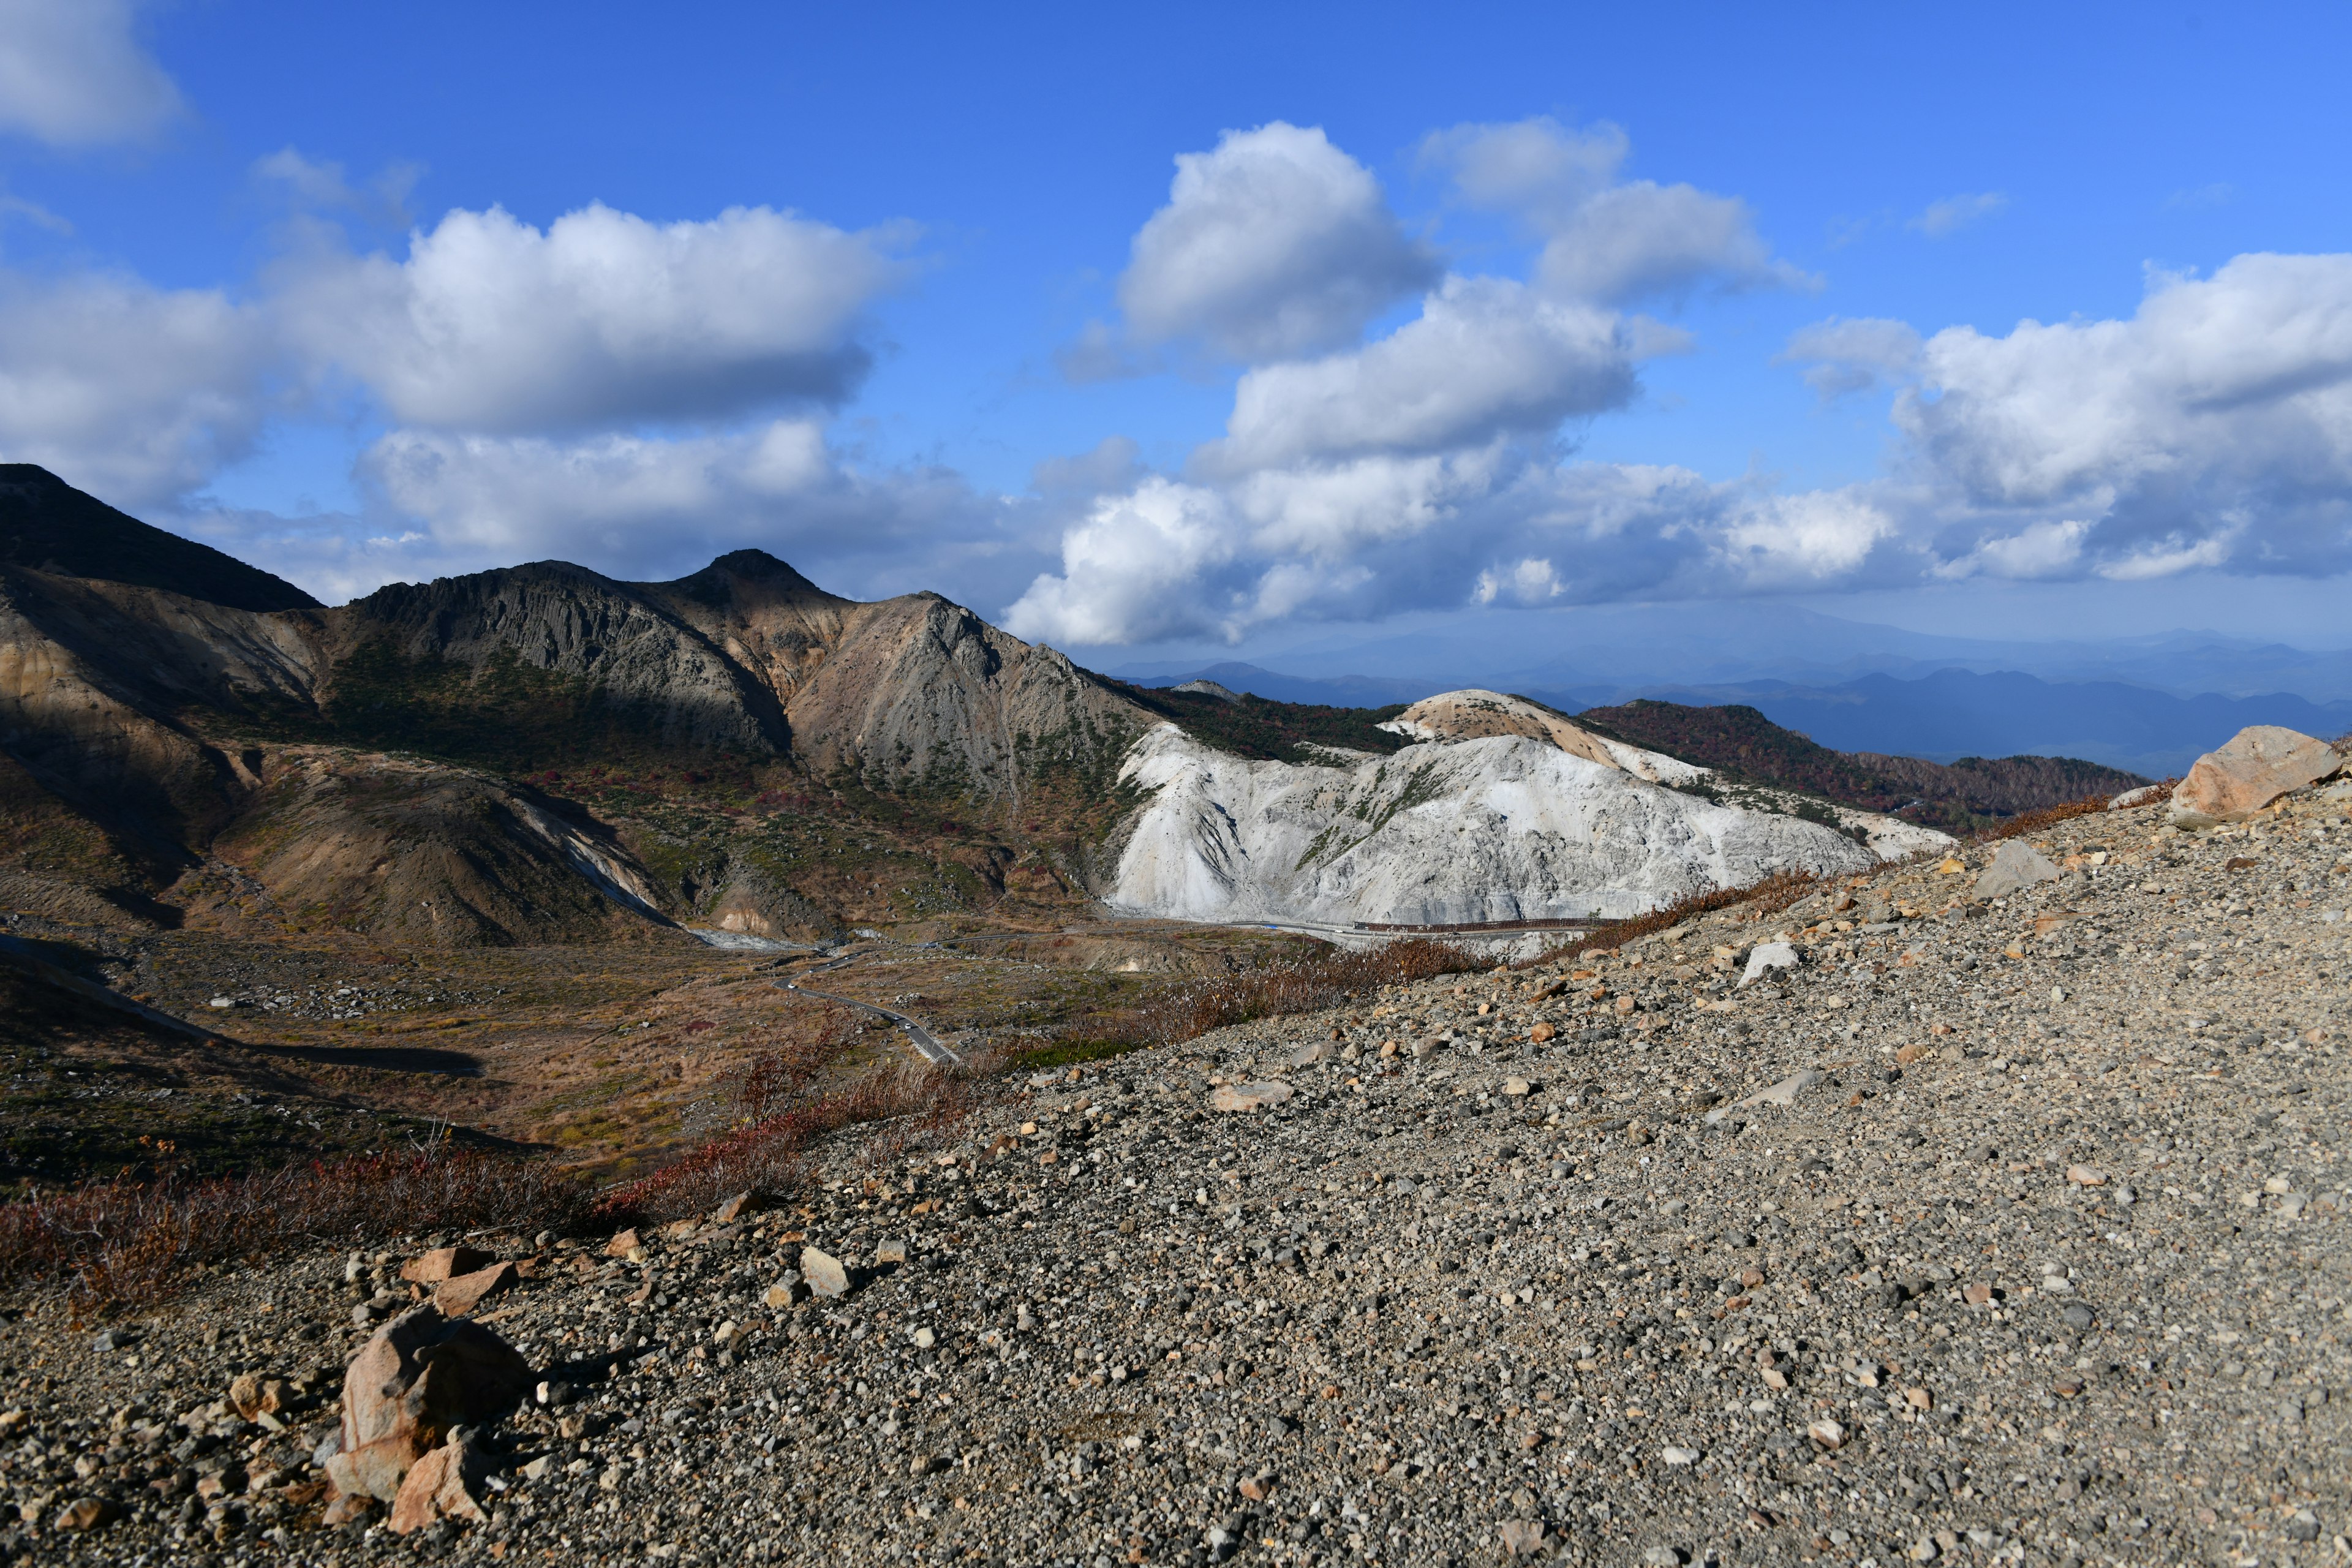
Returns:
point(921, 1039)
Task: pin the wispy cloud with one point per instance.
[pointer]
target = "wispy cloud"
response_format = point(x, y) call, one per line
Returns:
point(1954, 214)
point(2218, 194)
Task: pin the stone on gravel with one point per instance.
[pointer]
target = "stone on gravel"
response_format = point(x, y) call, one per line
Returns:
point(1784, 1092)
point(1523, 1537)
point(789, 1291)
point(462, 1293)
point(2253, 768)
point(85, 1514)
point(436, 1488)
point(1248, 1097)
point(420, 1374)
point(445, 1263)
point(823, 1272)
point(1314, 1051)
point(736, 1207)
point(623, 1244)
point(1767, 957)
point(2016, 865)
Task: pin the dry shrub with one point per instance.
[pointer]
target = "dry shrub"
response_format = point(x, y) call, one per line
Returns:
point(772, 1154)
point(1770, 896)
point(1271, 991)
point(124, 1244)
point(2048, 817)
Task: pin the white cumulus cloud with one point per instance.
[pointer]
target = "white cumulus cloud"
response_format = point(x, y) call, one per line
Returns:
point(1487, 357)
point(1133, 569)
point(603, 318)
point(1274, 244)
point(137, 393)
point(72, 73)
point(2214, 426)
point(1606, 241)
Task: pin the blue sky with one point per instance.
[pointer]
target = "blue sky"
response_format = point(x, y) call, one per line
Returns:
point(1485, 314)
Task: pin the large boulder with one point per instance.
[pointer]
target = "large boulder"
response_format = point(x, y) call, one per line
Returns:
point(2259, 763)
point(421, 1374)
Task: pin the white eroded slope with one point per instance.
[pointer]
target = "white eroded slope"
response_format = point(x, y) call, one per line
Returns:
point(1495, 829)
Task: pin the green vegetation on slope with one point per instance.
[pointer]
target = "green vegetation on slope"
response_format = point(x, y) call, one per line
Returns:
point(1265, 730)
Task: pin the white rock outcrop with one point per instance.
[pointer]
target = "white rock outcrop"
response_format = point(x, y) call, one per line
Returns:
point(1500, 827)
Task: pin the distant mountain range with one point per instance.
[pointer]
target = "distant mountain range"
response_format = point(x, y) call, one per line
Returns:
point(1940, 716)
point(1611, 652)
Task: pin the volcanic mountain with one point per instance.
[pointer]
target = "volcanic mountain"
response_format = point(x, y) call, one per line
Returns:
point(543, 754)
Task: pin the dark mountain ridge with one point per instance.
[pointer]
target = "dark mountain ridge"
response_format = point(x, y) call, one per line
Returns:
point(46, 525)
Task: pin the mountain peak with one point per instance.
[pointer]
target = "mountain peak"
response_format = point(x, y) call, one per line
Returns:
point(753, 573)
point(46, 525)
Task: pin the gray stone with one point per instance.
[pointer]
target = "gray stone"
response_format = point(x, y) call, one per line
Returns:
point(1766, 957)
point(1248, 1097)
point(1784, 1092)
point(2016, 865)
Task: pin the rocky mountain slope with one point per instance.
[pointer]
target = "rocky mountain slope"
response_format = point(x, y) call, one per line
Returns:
point(1500, 811)
point(155, 735)
point(46, 525)
point(2003, 1229)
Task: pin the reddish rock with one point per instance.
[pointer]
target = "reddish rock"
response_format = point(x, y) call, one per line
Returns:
point(437, 1486)
point(623, 1244)
point(2258, 764)
point(736, 1207)
point(85, 1514)
point(457, 1296)
point(445, 1263)
point(421, 1374)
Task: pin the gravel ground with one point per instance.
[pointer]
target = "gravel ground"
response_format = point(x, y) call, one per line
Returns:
point(2047, 1265)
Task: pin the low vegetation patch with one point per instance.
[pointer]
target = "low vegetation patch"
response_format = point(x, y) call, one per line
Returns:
point(121, 1245)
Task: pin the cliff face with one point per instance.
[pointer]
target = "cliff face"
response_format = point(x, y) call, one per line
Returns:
point(614, 641)
point(923, 693)
point(103, 687)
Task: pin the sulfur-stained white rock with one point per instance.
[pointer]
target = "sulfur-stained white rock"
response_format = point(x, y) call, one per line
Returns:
point(1502, 827)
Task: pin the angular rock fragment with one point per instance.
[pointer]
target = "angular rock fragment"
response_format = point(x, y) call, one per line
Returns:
point(1769, 956)
point(462, 1293)
point(438, 1486)
point(445, 1263)
point(1784, 1092)
point(2016, 865)
point(823, 1272)
point(421, 1374)
point(1248, 1097)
